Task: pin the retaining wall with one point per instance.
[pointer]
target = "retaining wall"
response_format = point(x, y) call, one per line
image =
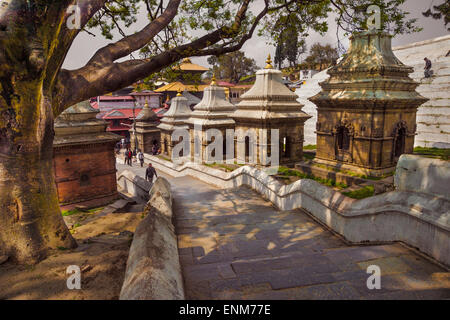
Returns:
point(153, 268)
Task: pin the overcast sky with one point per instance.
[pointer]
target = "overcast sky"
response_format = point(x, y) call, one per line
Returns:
point(85, 45)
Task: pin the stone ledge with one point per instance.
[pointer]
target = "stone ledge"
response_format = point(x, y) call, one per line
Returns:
point(417, 219)
point(153, 267)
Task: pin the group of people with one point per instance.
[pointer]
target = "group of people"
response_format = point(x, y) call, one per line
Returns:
point(128, 156)
point(150, 172)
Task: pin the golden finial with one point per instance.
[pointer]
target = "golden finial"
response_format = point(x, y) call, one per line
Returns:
point(146, 102)
point(213, 80)
point(179, 93)
point(269, 62)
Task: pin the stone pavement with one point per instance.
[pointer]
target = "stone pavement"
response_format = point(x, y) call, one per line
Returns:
point(235, 245)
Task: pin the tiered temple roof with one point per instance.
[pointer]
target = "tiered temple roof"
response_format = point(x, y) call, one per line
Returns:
point(369, 76)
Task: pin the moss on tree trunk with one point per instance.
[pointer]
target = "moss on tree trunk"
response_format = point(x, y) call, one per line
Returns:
point(30, 217)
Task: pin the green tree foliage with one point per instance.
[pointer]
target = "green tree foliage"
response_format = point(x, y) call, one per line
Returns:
point(321, 56)
point(440, 11)
point(232, 66)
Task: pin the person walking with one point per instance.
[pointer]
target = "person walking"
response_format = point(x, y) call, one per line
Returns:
point(129, 157)
point(150, 172)
point(140, 156)
point(427, 68)
point(125, 156)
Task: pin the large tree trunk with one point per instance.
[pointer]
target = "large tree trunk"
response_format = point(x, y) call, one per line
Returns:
point(30, 217)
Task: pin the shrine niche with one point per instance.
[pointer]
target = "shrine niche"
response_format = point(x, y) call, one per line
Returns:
point(367, 108)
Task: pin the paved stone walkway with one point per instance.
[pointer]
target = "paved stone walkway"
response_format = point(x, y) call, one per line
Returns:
point(235, 245)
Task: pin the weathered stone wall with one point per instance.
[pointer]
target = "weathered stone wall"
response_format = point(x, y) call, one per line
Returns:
point(153, 267)
point(415, 218)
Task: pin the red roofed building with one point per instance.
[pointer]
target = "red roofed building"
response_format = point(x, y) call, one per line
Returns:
point(121, 120)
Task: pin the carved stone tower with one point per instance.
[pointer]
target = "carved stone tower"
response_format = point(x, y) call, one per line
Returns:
point(269, 105)
point(173, 119)
point(367, 108)
point(147, 134)
point(213, 112)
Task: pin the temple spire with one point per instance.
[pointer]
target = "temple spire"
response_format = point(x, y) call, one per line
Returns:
point(269, 62)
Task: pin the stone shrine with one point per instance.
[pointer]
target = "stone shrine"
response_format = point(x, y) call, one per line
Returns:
point(146, 134)
point(173, 119)
point(84, 160)
point(269, 105)
point(367, 108)
point(213, 112)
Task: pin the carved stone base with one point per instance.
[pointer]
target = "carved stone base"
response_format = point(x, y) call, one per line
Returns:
point(373, 172)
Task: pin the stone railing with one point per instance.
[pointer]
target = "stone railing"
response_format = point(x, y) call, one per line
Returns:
point(133, 185)
point(153, 267)
point(418, 219)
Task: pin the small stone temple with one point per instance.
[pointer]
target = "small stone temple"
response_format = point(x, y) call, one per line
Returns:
point(213, 112)
point(173, 119)
point(367, 108)
point(84, 160)
point(269, 105)
point(146, 134)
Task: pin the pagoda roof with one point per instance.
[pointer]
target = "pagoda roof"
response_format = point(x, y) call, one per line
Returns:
point(121, 114)
point(178, 86)
point(187, 65)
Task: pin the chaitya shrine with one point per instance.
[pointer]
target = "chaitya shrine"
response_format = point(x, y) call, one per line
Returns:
point(367, 108)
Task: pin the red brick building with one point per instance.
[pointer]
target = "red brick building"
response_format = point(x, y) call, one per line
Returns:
point(84, 160)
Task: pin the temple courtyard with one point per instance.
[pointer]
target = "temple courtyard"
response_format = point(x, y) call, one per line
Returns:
point(233, 244)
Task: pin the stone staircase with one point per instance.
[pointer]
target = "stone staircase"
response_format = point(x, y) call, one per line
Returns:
point(309, 89)
point(433, 117)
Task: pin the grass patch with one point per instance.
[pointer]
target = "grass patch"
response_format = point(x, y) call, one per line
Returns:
point(164, 157)
point(220, 165)
point(443, 154)
point(362, 193)
point(284, 171)
point(351, 173)
point(66, 213)
point(310, 147)
point(61, 248)
point(308, 156)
